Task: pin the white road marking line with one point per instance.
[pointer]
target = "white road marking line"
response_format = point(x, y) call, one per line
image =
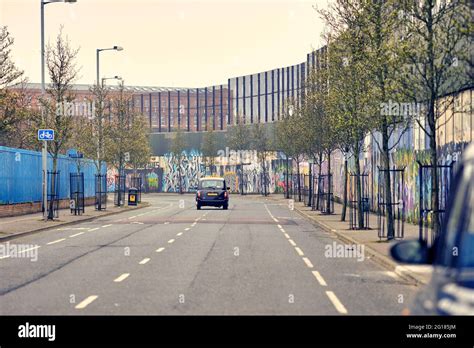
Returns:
point(171, 241)
point(136, 223)
point(180, 234)
point(94, 229)
point(141, 214)
point(4, 257)
point(276, 220)
point(287, 235)
point(335, 301)
point(292, 242)
point(122, 277)
point(279, 226)
point(63, 229)
point(132, 217)
point(75, 235)
point(86, 302)
point(320, 279)
point(29, 249)
point(392, 275)
point(281, 229)
point(145, 260)
point(167, 222)
point(308, 263)
point(106, 225)
point(299, 251)
point(193, 224)
point(187, 229)
point(56, 241)
point(160, 250)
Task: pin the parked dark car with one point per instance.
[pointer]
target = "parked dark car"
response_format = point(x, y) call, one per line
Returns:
point(212, 192)
point(451, 289)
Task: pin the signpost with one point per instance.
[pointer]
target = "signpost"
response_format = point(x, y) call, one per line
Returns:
point(45, 135)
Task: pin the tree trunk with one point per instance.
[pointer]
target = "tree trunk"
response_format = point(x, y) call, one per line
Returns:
point(387, 183)
point(319, 180)
point(344, 194)
point(53, 187)
point(328, 202)
point(299, 181)
point(360, 213)
point(310, 186)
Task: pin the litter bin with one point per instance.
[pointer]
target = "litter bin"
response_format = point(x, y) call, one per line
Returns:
point(132, 196)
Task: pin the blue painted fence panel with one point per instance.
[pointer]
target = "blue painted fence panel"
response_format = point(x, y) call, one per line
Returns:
point(21, 173)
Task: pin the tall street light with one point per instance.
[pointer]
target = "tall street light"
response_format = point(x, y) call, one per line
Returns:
point(115, 48)
point(43, 89)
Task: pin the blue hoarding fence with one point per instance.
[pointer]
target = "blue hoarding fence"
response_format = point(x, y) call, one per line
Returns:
point(21, 174)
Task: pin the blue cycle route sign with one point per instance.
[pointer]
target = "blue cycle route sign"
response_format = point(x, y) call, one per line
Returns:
point(45, 134)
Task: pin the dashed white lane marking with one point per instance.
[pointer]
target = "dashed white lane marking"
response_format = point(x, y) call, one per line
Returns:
point(171, 241)
point(193, 224)
point(145, 260)
point(308, 263)
point(187, 229)
point(335, 301)
point(274, 219)
point(94, 229)
point(180, 234)
point(29, 249)
point(281, 229)
point(136, 223)
point(141, 214)
point(279, 226)
point(75, 235)
point(167, 222)
point(292, 242)
point(392, 274)
point(287, 235)
point(299, 251)
point(121, 277)
point(107, 225)
point(319, 278)
point(4, 257)
point(159, 250)
point(86, 302)
point(132, 217)
point(56, 241)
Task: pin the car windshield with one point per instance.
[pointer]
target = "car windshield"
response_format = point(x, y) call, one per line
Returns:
point(212, 184)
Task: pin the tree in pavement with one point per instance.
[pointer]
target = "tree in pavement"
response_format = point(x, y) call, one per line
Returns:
point(56, 111)
point(178, 146)
point(261, 143)
point(238, 140)
point(349, 81)
point(209, 148)
point(437, 64)
point(14, 102)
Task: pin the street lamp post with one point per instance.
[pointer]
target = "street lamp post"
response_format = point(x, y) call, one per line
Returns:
point(114, 48)
point(44, 154)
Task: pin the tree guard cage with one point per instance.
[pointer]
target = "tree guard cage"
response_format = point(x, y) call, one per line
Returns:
point(427, 214)
point(136, 182)
point(119, 195)
point(53, 195)
point(315, 192)
point(264, 183)
point(326, 196)
point(356, 204)
point(100, 191)
point(307, 189)
point(76, 193)
point(397, 183)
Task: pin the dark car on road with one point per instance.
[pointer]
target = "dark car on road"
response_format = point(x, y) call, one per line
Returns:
point(212, 192)
point(451, 289)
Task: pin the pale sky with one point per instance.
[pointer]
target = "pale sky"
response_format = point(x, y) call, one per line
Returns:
point(180, 43)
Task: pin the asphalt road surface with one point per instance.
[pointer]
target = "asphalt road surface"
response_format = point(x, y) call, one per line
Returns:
point(258, 257)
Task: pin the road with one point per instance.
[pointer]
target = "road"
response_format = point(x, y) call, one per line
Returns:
point(258, 257)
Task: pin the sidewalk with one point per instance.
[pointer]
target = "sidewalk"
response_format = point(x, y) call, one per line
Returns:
point(12, 227)
point(378, 250)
